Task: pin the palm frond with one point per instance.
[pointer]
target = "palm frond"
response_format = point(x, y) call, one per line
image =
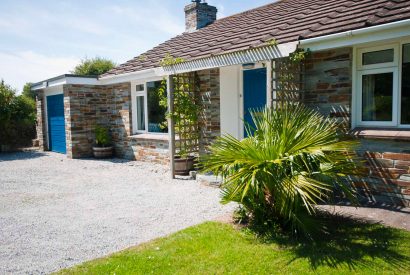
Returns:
point(293, 159)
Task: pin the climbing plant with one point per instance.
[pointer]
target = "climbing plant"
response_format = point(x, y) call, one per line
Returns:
point(186, 112)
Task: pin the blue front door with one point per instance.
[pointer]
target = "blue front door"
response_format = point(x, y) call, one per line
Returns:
point(56, 123)
point(254, 93)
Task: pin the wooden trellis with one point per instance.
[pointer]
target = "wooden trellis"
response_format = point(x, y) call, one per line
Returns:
point(187, 122)
point(287, 81)
point(184, 122)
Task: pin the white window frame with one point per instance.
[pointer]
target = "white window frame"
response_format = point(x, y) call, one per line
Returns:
point(359, 70)
point(144, 94)
point(403, 42)
point(394, 101)
point(395, 62)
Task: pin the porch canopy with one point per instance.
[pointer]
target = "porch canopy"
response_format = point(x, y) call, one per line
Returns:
point(251, 55)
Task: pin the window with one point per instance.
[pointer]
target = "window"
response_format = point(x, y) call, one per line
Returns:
point(405, 86)
point(383, 91)
point(148, 114)
point(156, 112)
point(376, 57)
point(140, 113)
point(377, 97)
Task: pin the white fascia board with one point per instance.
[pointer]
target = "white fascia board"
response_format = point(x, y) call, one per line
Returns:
point(134, 76)
point(361, 36)
point(59, 81)
point(73, 80)
point(81, 80)
point(41, 86)
point(234, 58)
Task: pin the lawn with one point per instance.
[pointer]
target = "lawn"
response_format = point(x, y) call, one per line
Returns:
point(217, 248)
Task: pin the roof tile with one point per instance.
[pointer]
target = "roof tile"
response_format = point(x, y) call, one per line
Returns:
point(284, 20)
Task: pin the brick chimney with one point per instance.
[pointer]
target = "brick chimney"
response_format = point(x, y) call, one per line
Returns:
point(199, 14)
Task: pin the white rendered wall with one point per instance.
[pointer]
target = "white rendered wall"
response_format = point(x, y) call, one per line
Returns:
point(230, 92)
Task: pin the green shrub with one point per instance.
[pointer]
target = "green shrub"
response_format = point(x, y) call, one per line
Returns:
point(17, 117)
point(93, 66)
point(291, 161)
point(102, 136)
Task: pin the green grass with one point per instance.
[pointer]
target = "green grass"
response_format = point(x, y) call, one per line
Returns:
point(216, 248)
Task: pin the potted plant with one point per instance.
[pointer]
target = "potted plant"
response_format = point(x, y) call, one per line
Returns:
point(103, 147)
point(185, 116)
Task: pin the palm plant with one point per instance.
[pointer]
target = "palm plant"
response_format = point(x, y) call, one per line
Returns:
point(293, 159)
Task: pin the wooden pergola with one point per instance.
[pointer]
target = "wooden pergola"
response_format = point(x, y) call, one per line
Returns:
point(285, 83)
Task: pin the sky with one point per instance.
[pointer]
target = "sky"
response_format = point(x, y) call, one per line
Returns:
point(40, 39)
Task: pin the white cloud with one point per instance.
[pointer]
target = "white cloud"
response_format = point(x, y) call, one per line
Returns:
point(28, 66)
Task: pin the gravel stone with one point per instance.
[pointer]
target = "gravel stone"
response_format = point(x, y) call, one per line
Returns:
point(57, 212)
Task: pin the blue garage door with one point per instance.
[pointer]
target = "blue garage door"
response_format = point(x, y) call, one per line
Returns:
point(56, 124)
point(254, 86)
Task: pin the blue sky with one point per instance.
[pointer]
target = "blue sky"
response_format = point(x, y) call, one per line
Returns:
point(45, 38)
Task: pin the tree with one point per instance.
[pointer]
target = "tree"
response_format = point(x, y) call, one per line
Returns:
point(7, 95)
point(28, 92)
point(17, 117)
point(93, 66)
point(292, 160)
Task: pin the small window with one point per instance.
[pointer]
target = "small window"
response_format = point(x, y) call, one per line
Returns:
point(139, 88)
point(378, 57)
point(405, 86)
point(140, 113)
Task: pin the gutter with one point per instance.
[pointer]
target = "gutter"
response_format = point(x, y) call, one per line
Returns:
point(347, 34)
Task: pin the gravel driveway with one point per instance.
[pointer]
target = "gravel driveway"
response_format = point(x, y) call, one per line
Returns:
point(56, 212)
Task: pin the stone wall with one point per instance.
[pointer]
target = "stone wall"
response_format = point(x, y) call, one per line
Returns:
point(388, 179)
point(87, 106)
point(210, 125)
point(328, 88)
point(41, 123)
point(328, 83)
point(147, 147)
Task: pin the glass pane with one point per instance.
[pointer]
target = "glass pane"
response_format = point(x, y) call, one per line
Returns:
point(140, 113)
point(377, 57)
point(405, 87)
point(157, 122)
point(139, 88)
point(377, 95)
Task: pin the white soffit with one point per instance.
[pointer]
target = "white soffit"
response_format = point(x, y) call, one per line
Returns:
point(234, 58)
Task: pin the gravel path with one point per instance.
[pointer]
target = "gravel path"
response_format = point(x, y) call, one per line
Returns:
point(56, 212)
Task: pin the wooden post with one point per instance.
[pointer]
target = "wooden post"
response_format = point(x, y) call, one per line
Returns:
point(269, 84)
point(273, 84)
point(171, 124)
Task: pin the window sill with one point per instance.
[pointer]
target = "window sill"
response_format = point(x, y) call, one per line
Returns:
point(157, 137)
point(382, 133)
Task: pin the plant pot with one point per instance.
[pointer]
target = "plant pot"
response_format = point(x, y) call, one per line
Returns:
point(103, 152)
point(184, 165)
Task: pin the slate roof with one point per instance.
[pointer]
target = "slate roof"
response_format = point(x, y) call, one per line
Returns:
point(284, 21)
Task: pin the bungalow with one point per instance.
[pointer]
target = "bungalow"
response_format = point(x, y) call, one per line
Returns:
point(357, 70)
